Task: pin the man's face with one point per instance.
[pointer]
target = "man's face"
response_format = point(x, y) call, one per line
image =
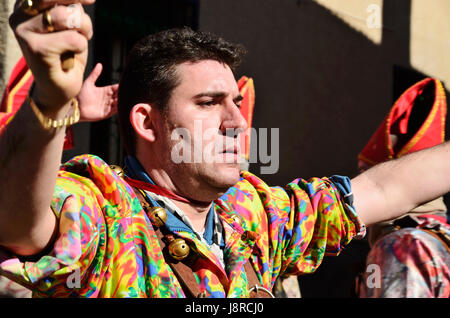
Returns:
point(200, 141)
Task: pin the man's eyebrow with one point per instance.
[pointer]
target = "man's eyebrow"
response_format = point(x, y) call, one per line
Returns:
point(218, 94)
point(211, 94)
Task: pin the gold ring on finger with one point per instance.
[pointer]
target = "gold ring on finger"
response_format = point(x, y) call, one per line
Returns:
point(29, 7)
point(47, 20)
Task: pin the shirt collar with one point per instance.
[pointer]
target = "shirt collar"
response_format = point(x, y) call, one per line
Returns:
point(176, 218)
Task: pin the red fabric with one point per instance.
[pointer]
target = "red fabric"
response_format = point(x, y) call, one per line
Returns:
point(12, 105)
point(155, 189)
point(438, 218)
point(431, 133)
point(4, 120)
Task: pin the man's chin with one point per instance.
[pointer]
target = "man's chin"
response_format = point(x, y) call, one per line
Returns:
point(226, 175)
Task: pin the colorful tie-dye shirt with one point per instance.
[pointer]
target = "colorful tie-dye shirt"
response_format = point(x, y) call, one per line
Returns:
point(107, 246)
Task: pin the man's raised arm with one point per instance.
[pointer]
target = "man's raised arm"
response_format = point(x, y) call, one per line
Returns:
point(30, 154)
point(395, 187)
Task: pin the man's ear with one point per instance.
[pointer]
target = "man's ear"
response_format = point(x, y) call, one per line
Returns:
point(141, 120)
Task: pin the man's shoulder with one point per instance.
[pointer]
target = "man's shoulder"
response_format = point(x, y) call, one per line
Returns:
point(83, 160)
point(88, 179)
point(93, 172)
point(89, 166)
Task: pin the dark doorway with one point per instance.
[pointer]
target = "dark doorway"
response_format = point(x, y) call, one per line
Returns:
point(118, 25)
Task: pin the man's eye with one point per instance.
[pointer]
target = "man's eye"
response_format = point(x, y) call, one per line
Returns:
point(207, 103)
point(238, 105)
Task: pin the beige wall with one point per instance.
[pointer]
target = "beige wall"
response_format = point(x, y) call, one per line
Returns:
point(430, 38)
point(359, 14)
point(430, 30)
point(9, 49)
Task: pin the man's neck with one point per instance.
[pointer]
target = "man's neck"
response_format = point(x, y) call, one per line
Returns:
point(195, 211)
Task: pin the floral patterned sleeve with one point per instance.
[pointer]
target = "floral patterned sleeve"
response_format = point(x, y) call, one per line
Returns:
point(298, 224)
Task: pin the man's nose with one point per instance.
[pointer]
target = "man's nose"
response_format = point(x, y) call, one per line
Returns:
point(233, 119)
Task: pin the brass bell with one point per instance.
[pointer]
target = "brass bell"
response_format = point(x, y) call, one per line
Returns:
point(178, 249)
point(236, 219)
point(157, 215)
point(118, 170)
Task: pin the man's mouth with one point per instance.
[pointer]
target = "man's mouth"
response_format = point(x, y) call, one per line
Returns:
point(230, 155)
point(230, 151)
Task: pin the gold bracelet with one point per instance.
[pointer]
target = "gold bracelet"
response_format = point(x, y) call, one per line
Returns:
point(49, 123)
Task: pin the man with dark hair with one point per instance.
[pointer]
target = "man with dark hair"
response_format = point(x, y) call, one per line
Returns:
point(182, 221)
point(150, 74)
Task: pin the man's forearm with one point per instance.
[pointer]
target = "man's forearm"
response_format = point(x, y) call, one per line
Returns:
point(30, 157)
point(393, 188)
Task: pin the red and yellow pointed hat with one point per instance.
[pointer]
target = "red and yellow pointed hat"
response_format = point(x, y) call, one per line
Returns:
point(415, 122)
point(247, 91)
point(15, 92)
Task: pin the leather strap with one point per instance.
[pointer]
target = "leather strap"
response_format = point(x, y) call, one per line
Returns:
point(253, 283)
point(183, 270)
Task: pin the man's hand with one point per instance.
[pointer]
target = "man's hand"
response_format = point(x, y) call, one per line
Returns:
point(43, 49)
point(97, 103)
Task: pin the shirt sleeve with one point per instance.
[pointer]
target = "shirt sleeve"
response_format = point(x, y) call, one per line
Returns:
point(303, 222)
point(86, 193)
point(322, 219)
